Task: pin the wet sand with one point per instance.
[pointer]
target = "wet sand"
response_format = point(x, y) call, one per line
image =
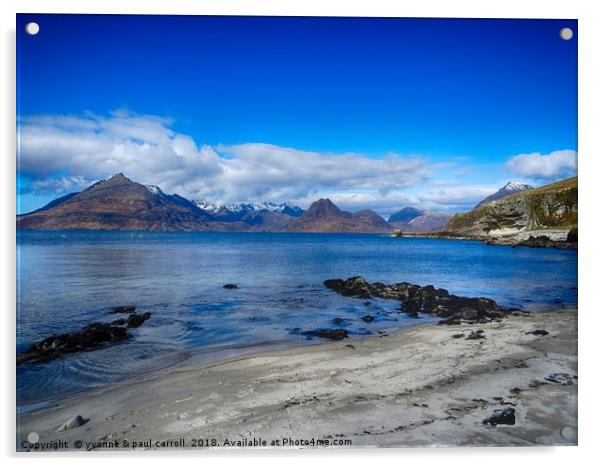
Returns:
point(419, 386)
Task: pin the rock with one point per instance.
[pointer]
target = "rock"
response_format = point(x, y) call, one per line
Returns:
point(561, 378)
point(572, 236)
point(337, 321)
point(538, 333)
point(451, 321)
point(90, 337)
point(475, 335)
point(543, 241)
point(72, 423)
point(368, 318)
point(230, 286)
point(501, 416)
point(458, 335)
point(127, 309)
point(118, 322)
point(136, 320)
point(417, 299)
point(330, 334)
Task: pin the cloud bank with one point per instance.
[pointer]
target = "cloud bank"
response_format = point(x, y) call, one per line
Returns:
point(548, 167)
point(83, 149)
point(60, 154)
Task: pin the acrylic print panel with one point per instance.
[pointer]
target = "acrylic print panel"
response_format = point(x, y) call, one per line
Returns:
point(295, 232)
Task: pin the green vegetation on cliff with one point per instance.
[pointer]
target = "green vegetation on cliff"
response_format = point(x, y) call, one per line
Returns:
point(553, 206)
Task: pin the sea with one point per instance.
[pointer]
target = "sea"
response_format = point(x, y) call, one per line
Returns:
point(68, 279)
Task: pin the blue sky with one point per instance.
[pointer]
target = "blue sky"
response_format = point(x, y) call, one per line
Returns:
point(215, 103)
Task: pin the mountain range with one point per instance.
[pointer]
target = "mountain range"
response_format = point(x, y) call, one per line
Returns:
point(234, 212)
point(119, 203)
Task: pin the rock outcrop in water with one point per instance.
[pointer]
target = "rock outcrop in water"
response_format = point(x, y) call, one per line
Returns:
point(91, 337)
point(424, 299)
point(336, 334)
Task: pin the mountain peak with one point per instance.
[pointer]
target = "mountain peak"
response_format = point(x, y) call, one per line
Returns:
point(115, 180)
point(324, 208)
point(516, 187)
point(406, 214)
point(512, 187)
point(324, 216)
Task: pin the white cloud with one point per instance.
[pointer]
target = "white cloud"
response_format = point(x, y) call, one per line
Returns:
point(548, 167)
point(63, 153)
point(64, 184)
point(60, 154)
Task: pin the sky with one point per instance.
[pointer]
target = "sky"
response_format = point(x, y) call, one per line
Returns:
point(372, 113)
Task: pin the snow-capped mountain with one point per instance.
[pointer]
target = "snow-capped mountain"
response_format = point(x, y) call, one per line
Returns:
point(512, 187)
point(233, 212)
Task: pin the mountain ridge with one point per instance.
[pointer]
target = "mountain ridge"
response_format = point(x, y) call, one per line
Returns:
point(512, 187)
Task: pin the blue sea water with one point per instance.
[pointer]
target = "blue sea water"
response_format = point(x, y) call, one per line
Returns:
point(68, 279)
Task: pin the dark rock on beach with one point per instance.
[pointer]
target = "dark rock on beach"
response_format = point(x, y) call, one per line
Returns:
point(90, 337)
point(424, 299)
point(501, 416)
point(368, 319)
point(539, 332)
point(230, 286)
point(330, 334)
point(561, 378)
point(475, 335)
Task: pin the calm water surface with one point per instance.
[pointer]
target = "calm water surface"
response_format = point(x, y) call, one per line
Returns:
point(68, 279)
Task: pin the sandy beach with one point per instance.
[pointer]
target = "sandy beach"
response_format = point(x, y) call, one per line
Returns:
point(425, 385)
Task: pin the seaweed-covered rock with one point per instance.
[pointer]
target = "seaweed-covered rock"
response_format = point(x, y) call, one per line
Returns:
point(424, 299)
point(330, 334)
point(90, 337)
point(136, 320)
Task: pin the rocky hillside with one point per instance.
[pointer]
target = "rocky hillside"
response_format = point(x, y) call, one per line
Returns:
point(324, 216)
point(550, 210)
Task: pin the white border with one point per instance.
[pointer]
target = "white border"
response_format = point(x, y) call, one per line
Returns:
point(590, 156)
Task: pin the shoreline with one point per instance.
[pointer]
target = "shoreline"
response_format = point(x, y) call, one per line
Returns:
point(418, 386)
